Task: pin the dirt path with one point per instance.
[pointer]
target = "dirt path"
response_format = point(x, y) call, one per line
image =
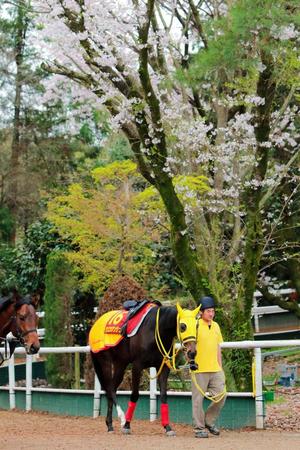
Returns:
point(39, 431)
point(284, 412)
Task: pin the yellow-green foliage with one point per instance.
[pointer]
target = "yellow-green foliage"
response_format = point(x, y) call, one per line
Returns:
point(104, 225)
point(188, 187)
point(115, 172)
point(290, 67)
point(242, 85)
point(149, 199)
point(110, 225)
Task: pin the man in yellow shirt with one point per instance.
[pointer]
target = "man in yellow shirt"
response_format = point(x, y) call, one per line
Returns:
point(209, 376)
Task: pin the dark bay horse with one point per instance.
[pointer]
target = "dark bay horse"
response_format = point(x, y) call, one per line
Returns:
point(18, 317)
point(147, 348)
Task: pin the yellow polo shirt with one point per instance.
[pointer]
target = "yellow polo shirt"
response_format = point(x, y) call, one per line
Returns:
point(208, 340)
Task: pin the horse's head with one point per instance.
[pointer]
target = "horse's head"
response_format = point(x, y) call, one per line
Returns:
point(26, 322)
point(187, 332)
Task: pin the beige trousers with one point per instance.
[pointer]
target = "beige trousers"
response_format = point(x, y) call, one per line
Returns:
point(214, 383)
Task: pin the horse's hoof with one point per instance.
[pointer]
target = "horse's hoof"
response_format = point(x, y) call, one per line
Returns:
point(126, 430)
point(170, 433)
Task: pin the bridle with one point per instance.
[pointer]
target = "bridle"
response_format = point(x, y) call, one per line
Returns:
point(19, 335)
point(169, 357)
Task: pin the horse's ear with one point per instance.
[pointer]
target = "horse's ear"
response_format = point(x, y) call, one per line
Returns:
point(179, 309)
point(35, 299)
point(15, 295)
point(196, 310)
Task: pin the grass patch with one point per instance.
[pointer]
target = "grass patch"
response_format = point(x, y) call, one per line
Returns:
point(294, 359)
point(270, 379)
point(278, 400)
point(284, 351)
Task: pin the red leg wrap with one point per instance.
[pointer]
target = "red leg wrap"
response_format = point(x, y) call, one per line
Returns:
point(164, 413)
point(130, 411)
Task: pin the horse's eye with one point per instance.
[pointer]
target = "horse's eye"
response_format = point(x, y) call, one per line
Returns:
point(22, 318)
point(182, 327)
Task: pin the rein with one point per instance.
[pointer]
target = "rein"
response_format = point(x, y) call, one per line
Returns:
point(167, 359)
point(213, 398)
point(170, 360)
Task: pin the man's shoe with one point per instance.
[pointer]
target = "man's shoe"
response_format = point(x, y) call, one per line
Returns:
point(201, 434)
point(213, 430)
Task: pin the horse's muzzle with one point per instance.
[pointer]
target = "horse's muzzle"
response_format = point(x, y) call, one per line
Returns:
point(193, 365)
point(32, 349)
point(191, 357)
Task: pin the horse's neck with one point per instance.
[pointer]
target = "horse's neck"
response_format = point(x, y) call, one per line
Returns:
point(6, 320)
point(168, 320)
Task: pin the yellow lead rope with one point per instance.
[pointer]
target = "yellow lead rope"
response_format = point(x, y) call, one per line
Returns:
point(167, 359)
point(214, 398)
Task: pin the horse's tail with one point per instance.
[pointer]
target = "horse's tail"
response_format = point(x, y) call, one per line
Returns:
point(96, 358)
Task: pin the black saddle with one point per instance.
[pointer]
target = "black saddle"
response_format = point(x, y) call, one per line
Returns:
point(130, 304)
point(133, 306)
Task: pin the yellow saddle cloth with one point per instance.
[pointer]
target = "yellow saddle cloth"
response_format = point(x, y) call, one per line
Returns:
point(106, 331)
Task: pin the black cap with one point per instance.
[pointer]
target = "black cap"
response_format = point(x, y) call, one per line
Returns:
point(207, 302)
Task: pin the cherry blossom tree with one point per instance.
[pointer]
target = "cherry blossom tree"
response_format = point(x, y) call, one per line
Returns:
point(206, 88)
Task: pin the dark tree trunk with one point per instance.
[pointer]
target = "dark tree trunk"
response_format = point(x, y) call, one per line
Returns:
point(254, 236)
point(13, 191)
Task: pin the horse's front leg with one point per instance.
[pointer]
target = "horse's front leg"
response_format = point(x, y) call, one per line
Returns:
point(135, 382)
point(164, 407)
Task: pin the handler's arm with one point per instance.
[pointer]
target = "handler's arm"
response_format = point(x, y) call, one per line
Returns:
point(219, 356)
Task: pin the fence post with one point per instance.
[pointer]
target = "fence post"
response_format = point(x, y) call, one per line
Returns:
point(259, 400)
point(77, 369)
point(97, 397)
point(28, 381)
point(256, 318)
point(153, 389)
point(11, 382)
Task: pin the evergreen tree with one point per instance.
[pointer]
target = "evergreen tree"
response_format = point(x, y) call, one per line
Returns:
point(58, 302)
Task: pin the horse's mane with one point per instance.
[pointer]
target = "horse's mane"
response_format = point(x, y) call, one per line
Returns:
point(5, 302)
point(167, 316)
point(18, 301)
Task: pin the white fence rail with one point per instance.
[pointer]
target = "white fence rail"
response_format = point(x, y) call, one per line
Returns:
point(260, 311)
point(153, 392)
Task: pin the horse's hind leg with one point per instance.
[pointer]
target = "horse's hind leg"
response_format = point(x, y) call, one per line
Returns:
point(164, 407)
point(112, 400)
point(103, 367)
point(118, 375)
point(136, 376)
point(110, 379)
point(108, 419)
